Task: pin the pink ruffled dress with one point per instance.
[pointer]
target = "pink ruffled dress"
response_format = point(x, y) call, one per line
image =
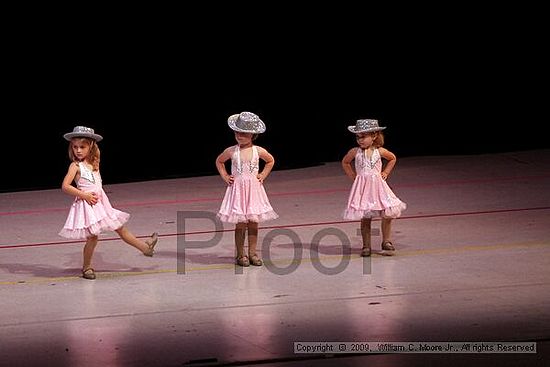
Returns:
point(370, 195)
point(245, 200)
point(85, 220)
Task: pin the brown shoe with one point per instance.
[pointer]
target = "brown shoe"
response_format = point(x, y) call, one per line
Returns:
point(388, 248)
point(255, 260)
point(243, 261)
point(151, 243)
point(365, 251)
point(88, 274)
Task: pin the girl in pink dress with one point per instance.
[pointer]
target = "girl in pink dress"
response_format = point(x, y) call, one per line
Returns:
point(370, 195)
point(245, 202)
point(91, 212)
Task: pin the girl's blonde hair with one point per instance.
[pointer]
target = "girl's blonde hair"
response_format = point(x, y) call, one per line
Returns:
point(93, 155)
point(378, 139)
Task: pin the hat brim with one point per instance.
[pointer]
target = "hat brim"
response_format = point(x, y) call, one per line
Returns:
point(95, 137)
point(232, 120)
point(370, 130)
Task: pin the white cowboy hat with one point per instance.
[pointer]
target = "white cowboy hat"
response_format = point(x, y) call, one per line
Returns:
point(83, 132)
point(246, 122)
point(365, 126)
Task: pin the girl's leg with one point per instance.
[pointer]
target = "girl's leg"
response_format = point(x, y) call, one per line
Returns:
point(240, 232)
point(253, 243)
point(365, 235)
point(88, 252)
point(89, 247)
point(386, 234)
point(147, 247)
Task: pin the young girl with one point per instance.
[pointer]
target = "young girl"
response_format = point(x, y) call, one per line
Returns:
point(370, 195)
point(245, 202)
point(91, 212)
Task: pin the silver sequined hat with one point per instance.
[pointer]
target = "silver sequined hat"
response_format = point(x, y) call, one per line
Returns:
point(246, 122)
point(83, 132)
point(365, 126)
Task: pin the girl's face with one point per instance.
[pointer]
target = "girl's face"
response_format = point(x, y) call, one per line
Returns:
point(365, 140)
point(81, 148)
point(243, 138)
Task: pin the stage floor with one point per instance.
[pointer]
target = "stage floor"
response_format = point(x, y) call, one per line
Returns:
point(472, 265)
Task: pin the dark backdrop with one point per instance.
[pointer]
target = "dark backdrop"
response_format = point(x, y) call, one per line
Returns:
point(154, 130)
point(162, 107)
point(152, 134)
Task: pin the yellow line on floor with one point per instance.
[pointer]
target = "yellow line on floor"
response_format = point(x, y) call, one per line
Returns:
point(286, 262)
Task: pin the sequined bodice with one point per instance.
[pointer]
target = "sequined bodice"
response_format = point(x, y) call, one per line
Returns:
point(240, 167)
point(89, 180)
point(364, 165)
